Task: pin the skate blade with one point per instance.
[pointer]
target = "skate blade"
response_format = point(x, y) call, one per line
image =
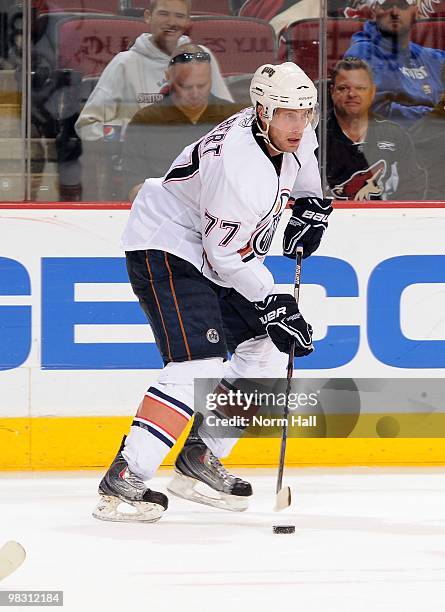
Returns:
point(185, 487)
point(108, 509)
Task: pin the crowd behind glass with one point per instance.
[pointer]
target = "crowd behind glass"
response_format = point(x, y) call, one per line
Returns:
point(96, 96)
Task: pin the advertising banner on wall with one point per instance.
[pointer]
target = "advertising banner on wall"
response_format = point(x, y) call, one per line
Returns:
point(74, 341)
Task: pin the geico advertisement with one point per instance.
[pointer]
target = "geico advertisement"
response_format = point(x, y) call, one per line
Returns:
point(73, 339)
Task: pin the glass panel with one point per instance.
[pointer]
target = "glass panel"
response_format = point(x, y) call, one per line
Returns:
point(12, 181)
point(384, 132)
point(97, 63)
point(55, 149)
point(86, 87)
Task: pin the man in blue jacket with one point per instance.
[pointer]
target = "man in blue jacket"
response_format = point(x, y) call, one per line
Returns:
point(407, 75)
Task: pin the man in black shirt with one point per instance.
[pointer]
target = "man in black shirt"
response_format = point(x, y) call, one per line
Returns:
point(367, 158)
point(159, 132)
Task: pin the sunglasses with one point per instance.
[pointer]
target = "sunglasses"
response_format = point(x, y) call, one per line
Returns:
point(184, 58)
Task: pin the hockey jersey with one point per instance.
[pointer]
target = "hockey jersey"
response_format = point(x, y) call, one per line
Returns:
point(408, 80)
point(219, 204)
point(381, 167)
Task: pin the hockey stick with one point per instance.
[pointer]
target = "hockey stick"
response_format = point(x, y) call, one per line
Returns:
point(12, 555)
point(283, 494)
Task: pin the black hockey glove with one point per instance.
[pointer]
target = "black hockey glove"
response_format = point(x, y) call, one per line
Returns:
point(306, 226)
point(284, 323)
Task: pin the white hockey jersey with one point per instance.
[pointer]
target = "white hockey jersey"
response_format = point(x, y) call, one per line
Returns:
point(219, 205)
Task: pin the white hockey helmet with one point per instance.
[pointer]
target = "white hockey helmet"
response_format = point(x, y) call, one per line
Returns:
point(282, 86)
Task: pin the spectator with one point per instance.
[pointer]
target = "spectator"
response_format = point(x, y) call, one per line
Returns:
point(367, 158)
point(407, 75)
point(158, 133)
point(134, 78)
point(429, 138)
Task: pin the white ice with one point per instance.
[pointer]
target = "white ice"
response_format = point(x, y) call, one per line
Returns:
point(366, 540)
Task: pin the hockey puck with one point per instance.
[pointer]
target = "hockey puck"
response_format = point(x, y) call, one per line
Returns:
point(283, 528)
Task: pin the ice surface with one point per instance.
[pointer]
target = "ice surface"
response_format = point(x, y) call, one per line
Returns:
point(366, 540)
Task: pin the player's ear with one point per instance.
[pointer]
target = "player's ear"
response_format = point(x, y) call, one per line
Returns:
point(147, 16)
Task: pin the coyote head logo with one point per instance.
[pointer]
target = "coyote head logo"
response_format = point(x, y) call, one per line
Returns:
point(363, 184)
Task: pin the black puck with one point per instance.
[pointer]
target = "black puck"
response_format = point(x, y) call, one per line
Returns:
point(283, 528)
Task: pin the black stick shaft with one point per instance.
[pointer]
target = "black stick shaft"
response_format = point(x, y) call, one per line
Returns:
point(290, 371)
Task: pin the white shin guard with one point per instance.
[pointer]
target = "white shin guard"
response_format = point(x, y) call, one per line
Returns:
point(146, 447)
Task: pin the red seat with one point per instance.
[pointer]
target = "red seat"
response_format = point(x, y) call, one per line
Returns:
point(430, 33)
point(80, 6)
point(300, 43)
point(204, 7)
point(220, 7)
point(88, 45)
point(262, 9)
point(240, 44)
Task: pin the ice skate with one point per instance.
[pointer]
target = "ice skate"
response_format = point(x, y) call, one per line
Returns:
point(201, 477)
point(125, 497)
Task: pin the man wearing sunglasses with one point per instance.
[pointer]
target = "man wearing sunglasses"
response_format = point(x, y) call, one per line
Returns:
point(187, 112)
point(407, 75)
point(134, 78)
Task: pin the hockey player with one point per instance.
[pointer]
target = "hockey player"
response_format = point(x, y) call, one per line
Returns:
point(195, 243)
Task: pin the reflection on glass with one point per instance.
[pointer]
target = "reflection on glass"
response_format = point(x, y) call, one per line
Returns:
point(12, 187)
point(94, 64)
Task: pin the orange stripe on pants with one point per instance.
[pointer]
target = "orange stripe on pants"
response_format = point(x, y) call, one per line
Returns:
point(163, 416)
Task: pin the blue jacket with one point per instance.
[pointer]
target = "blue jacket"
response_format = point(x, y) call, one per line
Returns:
point(408, 80)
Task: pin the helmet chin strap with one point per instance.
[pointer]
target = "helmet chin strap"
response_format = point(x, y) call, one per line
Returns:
point(265, 135)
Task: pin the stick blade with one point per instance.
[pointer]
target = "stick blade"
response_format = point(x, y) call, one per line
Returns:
point(283, 499)
point(12, 555)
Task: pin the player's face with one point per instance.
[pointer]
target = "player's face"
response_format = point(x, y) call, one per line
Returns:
point(168, 21)
point(191, 84)
point(395, 17)
point(352, 93)
point(287, 127)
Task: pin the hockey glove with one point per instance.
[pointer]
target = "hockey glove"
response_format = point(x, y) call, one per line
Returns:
point(284, 323)
point(306, 226)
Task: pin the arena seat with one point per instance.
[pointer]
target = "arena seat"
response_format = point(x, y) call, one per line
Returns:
point(80, 6)
point(88, 45)
point(300, 42)
point(204, 7)
point(221, 7)
point(430, 33)
point(239, 43)
point(262, 9)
